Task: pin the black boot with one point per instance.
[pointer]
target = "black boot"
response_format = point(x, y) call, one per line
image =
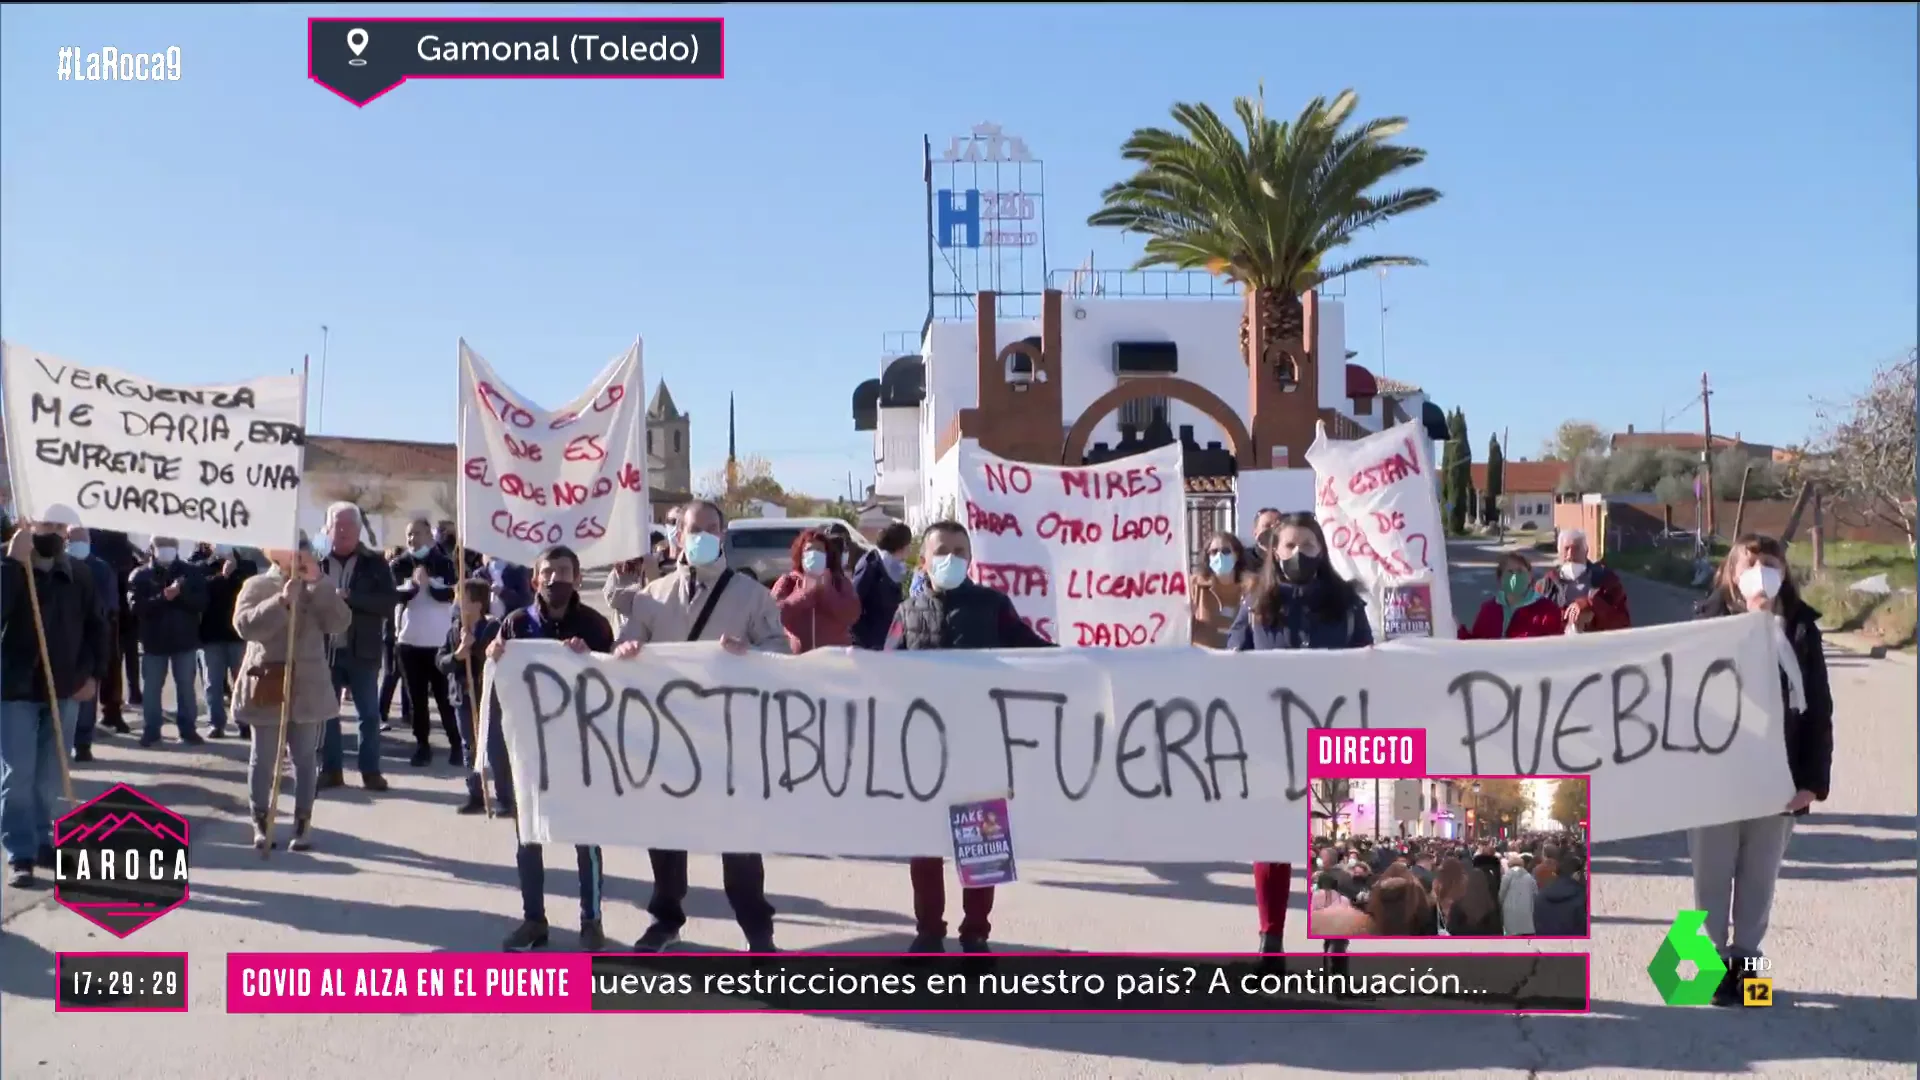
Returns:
point(302, 835)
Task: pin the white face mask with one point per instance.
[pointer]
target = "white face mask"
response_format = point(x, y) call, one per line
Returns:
point(1572, 570)
point(164, 555)
point(1760, 580)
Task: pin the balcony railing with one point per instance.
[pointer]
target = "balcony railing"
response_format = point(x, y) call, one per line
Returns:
point(1161, 285)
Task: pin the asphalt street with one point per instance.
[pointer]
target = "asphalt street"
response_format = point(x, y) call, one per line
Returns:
point(403, 872)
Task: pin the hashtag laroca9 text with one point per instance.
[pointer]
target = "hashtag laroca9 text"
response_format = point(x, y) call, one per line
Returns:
point(115, 65)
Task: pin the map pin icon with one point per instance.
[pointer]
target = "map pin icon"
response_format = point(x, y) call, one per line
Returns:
point(357, 43)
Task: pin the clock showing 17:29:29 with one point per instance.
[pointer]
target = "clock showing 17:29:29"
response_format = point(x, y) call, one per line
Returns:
point(120, 982)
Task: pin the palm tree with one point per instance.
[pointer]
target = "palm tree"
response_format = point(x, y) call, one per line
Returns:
point(1267, 211)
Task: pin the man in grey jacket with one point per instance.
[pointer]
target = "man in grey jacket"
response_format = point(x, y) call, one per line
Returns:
point(702, 600)
point(365, 582)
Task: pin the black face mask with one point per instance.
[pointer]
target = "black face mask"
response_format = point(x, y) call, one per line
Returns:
point(1296, 568)
point(49, 545)
point(557, 595)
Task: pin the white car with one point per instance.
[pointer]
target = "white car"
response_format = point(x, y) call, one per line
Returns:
point(762, 547)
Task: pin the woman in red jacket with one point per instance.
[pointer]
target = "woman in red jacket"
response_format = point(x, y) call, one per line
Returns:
point(1516, 609)
point(817, 603)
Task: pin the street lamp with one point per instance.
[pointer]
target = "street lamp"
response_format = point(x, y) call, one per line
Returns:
point(1479, 820)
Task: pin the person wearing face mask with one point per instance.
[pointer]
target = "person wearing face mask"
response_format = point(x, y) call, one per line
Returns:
point(288, 603)
point(1591, 597)
point(953, 613)
point(630, 575)
point(558, 613)
point(1218, 588)
point(1736, 865)
point(106, 598)
point(168, 595)
point(1516, 609)
point(365, 581)
point(30, 743)
point(424, 577)
point(876, 581)
point(1264, 522)
point(702, 600)
point(1300, 602)
point(221, 647)
point(817, 603)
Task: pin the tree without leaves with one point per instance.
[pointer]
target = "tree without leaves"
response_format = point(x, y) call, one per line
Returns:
point(752, 482)
point(1574, 439)
point(1269, 207)
point(1329, 794)
point(1866, 449)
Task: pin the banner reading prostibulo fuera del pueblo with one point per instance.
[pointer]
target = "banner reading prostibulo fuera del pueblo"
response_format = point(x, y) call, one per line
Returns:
point(113, 450)
point(1092, 557)
point(1155, 755)
point(533, 478)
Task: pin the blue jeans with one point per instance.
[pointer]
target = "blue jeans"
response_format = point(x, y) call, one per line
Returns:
point(30, 775)
point(496, 754)
point(362, 678)
point(219, 663)
point(153, 677)
point(80, 736)
point(531, 862)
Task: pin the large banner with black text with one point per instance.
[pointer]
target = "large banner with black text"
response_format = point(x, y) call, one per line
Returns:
point(113, 450)
point(531, 478)
point(1092, 557)
point(1154, 755)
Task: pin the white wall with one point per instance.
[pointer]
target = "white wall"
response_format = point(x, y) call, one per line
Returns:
point(896, 443)
point(1286, 490)
point(1207, 333)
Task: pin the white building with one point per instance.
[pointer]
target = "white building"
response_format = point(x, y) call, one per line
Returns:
point(1105, 341)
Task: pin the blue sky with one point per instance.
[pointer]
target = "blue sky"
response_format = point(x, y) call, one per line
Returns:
point(1634, 195)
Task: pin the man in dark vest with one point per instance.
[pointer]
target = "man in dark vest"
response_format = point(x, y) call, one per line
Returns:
point(953, 613)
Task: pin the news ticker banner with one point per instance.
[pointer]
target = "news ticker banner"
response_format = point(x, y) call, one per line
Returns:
point(431, 983)
point(363, 58)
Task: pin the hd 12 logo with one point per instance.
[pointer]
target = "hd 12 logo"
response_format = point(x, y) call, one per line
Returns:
point(120, 860)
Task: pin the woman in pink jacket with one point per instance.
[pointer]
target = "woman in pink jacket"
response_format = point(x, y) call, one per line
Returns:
point(817, 603)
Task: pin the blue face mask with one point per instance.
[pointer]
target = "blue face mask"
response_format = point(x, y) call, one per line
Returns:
point(79, 549)
point(1221, 563)
point(814, 562)
point(702, 549)
point(947, 571)
point(423, 551)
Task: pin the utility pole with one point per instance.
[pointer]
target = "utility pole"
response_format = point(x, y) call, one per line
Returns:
point(1706, 494)
point(320, 413)
point(1383, 321)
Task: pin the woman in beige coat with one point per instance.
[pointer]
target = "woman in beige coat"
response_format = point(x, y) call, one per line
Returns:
point(261, 616)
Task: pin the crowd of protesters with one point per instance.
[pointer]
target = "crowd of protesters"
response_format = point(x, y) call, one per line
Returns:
point(1531, 885)
point(425, 618)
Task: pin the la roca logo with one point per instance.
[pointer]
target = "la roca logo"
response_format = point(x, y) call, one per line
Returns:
point(120, 860)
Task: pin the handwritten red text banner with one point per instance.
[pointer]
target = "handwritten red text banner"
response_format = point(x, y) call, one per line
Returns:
point(1379, 502)
point(1093, 557)
point(531, 478)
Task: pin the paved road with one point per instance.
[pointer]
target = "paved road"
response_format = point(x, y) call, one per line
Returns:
point(406, 873)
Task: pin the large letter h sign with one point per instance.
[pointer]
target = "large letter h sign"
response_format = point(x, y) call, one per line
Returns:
point(954, 217)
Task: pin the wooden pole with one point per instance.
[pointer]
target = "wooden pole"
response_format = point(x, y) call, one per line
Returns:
point(474, 729)
point(46, 665)
point(1740, 508)
point(286, 699)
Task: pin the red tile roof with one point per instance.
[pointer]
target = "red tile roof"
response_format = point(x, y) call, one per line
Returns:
point(1686, 441)
point(385, 457)
point(1524, 477)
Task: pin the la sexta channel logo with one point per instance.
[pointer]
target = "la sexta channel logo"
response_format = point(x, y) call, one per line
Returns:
point(120, 860)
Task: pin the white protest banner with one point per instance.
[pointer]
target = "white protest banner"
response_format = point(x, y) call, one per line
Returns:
point(1379, 508)
point(111, 450)
point(1093, 556)
point(532, 478)
point(1156, 755)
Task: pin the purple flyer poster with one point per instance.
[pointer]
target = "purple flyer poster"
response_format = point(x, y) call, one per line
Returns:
point(982, 842)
